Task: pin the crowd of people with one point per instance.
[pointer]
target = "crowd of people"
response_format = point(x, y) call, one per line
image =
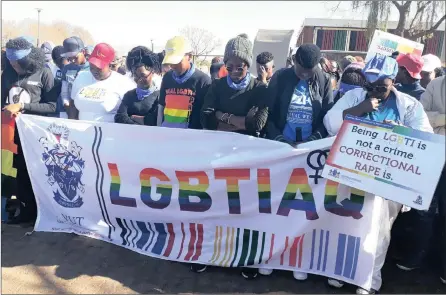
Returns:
point(305, 101)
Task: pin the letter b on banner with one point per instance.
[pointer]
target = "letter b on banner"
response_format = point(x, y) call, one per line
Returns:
point(188, 190)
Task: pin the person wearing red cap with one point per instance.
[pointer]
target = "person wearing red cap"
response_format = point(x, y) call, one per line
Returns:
point(97, 93)
point(408, 77)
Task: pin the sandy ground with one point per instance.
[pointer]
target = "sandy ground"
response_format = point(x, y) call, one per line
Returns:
point(45, 263)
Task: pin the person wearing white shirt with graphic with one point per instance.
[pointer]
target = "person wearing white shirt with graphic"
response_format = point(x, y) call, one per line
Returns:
point(97, 93)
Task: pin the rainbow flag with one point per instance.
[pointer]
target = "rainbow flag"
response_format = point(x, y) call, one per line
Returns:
point(8, 146)
point(177, 111)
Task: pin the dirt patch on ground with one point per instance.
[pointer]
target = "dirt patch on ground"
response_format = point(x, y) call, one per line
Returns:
point(45, 263)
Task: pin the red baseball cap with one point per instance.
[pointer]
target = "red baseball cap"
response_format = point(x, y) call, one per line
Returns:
point(412, 63)
point(102, 55)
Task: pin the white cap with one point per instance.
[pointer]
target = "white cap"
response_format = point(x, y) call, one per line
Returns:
point(431, 62)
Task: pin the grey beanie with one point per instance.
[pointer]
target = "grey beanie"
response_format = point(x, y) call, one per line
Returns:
point(239, 47)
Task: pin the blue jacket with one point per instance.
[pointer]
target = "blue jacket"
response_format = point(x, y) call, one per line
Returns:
point(414, 90)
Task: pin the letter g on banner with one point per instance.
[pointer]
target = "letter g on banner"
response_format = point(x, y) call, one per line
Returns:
point(165, 190)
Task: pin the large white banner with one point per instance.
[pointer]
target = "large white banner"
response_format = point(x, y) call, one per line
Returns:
point(208, 197)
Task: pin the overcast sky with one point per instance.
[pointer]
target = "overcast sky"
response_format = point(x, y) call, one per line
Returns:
point(127, 24)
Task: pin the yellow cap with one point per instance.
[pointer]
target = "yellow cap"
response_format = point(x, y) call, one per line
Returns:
point(175, 49)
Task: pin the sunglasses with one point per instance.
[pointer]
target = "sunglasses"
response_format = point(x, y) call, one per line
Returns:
point(235, 69)
point(379, 88)
point(72, 59)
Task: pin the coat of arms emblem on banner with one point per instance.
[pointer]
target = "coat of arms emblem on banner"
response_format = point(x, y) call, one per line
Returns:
point(65, 166)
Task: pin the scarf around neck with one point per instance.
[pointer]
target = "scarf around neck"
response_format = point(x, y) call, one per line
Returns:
point(141, 94)
point(239, 86)
point(184, 77)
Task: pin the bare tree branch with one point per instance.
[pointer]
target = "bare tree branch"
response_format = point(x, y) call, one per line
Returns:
point(336, 7)
point(420, 9)
point(431, 30)
point(422, 24)
point(407, 4)
point(202, 41)
point(397, 5)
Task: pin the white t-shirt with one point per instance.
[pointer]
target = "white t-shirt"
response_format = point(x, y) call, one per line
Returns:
point(99, 100)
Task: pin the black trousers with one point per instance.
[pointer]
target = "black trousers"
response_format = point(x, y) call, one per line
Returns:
point(441, 193)
point(25, 193)
point(413, 232)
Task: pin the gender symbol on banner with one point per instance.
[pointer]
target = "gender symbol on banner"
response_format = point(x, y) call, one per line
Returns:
point(319, 162)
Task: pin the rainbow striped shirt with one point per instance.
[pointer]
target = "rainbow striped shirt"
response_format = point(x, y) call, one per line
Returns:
point(177, 110)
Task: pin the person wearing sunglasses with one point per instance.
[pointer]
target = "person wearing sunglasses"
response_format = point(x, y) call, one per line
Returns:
point(379, 101)
point(74, 52)
point(265, 67)
point(140, 106)
point(238, 102)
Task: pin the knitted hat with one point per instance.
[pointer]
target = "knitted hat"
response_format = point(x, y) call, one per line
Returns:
point(239, 47)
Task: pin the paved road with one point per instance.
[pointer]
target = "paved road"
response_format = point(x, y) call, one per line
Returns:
point(65, 263)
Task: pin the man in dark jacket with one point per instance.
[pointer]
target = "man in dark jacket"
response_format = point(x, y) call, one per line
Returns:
point(299, 99)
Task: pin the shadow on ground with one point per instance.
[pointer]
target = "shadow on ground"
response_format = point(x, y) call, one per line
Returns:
point(76, 257)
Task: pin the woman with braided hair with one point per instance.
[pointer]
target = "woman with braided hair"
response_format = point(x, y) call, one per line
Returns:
point(140, 106)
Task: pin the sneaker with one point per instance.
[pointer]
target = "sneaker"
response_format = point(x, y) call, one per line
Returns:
point(405, 268)
point(195, 267)
point(300, 276)
point(443, 280)
point(265, 271)
point(249, 273)
point(365, 292)
point(335, 283)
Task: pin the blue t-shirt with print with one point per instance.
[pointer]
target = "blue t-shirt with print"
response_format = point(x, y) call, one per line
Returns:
point(387, 110)
point(300, 113)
